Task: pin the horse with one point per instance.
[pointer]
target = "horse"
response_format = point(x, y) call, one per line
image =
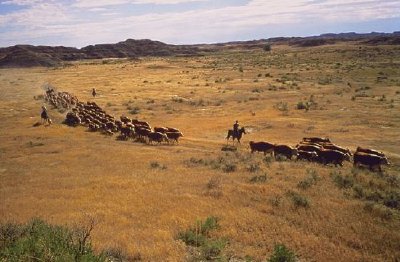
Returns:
point(237, 135)
point(45, 117)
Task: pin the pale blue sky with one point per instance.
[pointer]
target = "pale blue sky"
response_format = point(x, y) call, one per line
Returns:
point(82, 22)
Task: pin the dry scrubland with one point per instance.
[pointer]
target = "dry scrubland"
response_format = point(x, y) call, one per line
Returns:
point(142, 196)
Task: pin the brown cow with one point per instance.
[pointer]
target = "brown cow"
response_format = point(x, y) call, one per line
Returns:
point(370, 151)
point(337, 148)
point(262, 147)
point(172, 129)
point(161, 129)
point(370, 160)
point(285, 150)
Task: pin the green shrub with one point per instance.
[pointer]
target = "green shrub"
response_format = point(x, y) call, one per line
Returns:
point(309, 181)
point(342, 181)
point(302, 105)
point(299, 200)
point(229, 167)
point(267, 47)
point(212, 249)
point(198, 236)
point(39, 241)
point(259, 179)
point(282, 254)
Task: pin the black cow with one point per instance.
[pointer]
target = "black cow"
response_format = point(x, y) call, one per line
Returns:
point(333, 156)
point(306, 155)
point(157, 137)
point(370, 160)
point(264, 147)
point(285, 150)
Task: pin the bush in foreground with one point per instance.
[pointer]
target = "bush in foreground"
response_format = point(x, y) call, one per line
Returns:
point(39, 241)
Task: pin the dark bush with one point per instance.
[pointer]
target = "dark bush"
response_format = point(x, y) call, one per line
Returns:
point(282, 254)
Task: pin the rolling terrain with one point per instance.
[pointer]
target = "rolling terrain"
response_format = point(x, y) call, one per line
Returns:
point(142, 196)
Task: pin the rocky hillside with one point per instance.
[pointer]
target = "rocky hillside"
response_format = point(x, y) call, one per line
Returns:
point(29, 56)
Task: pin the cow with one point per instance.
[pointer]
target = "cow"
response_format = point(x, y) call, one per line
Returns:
point(316, 139)
point(309, 148)
point(307, 155)
point(308, 144)
point(333, 156)
point(172, 129)
point(161, 129)
point(125, 119)
point(285, 150)
point(370, 160)
point(174, 136)
point(370, 151)
point(264, 147)
point(127, 132)
point(337, 148)
point(142, 132)
point(157, 137)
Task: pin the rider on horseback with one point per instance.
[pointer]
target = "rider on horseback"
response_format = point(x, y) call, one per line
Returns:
point(236, 128)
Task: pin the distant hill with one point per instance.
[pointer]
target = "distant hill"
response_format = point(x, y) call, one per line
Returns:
point(373, 38)
point(30, 56)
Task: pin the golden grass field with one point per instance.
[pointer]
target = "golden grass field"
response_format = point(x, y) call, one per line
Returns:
point(61, 173)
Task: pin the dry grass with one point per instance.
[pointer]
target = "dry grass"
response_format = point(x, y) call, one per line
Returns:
point(57, 172)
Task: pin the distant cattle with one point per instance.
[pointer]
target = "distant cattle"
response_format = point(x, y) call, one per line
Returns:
point(172, 129)
point(337, 148)
point(371, 160)
point(333, 156)
point(370, 151)
point(264, 147)
point(125, 119)
point(308, 144)
point(316, 139)
point(285, 150)
point(174, 136)
point(309, 148)
point(157, 137)
point(161, 129)
point(306, 155)
point(142, 132)
point(127, 132)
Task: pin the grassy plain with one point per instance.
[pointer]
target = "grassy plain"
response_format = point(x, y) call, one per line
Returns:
point(142, 196)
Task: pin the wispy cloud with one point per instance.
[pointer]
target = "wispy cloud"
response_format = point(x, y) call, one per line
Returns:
point(97, 21)
point(94, 3)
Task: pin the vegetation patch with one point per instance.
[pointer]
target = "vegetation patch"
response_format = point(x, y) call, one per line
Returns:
point(298, 200)
point(39, 241)
point(282, 254)
point(199, 237)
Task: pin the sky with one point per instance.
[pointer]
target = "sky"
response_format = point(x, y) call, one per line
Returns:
point(78, 23)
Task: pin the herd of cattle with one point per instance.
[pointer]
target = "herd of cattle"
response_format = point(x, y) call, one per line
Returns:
point(314, 149)
point(322, 150)
point(96, 119)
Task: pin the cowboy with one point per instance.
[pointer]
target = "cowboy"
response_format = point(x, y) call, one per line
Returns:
point(236, 127)
point(94, 92)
